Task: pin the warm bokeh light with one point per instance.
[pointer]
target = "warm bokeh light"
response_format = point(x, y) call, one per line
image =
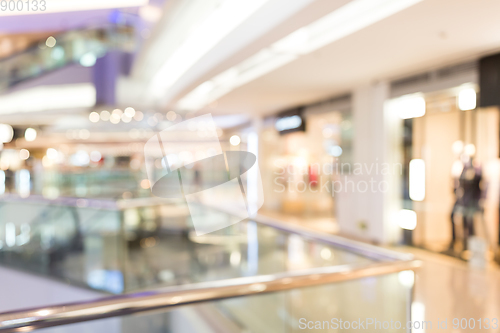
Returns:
point(145, 184)
point(235, 140)
point(94, 117)
point(52, 153)
point(467, 99)
point(130, 112)
point(171, 115)
point(51, 42)
point(30, 134)
point(24, 154)
point(105, 115)
point(407, 219)
point(6, 133)
point(138, 116)
point(417, 180)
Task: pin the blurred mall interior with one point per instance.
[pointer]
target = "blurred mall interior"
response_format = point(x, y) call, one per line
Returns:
point(249, 166)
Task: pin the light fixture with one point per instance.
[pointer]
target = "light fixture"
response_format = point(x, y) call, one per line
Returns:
point(171, 115)
point(352, 17)
point(24, 154)
point(138, 116)
point(408, 106)
point(130, 112)
point(53, 97)
point(222, 21)
point(51, 42)
point(57, 53)
point(95, 156)
point(6, 133)
point(30, 134)
point(407, 219)
point(417, 180)
point(326, 253)
point(235, 258)
point(407, 278)
point(335, 151)
point(125, 118)
point(80, 158)
point(470, 150)
point(105, 115)
point(88, 59)
point(115, 118)
point(57, 6)
point(145, 184)
point(52, 154)
point(94, 117)
point(235, 140)
point(150, 13)
point(10, 234)
point(467, 99)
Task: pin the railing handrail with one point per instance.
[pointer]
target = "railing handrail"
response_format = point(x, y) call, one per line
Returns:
point(364, 249)
point(190, 294)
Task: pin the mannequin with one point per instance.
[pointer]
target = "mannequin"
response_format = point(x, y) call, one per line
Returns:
point(468, 196)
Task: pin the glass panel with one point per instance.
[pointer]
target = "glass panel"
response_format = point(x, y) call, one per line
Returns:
point(383, 301)
point(148, 246)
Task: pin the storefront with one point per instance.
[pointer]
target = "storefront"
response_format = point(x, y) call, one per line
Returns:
point(301, 150)
point(451, 167)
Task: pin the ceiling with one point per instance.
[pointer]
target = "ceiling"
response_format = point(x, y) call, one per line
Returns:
point(430, 34)
point(269, 23)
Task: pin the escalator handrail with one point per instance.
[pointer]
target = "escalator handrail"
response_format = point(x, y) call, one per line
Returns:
point(34, 47)
point(172, 297)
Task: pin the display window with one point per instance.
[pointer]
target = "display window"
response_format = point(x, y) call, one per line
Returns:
point(452, 164)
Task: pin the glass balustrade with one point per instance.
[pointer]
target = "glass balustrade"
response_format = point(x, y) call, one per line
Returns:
point(250, 277)
point(380, 303)
point(117, 247)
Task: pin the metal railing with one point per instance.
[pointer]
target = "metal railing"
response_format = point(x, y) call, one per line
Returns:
point(388, 262)
point(190, 294)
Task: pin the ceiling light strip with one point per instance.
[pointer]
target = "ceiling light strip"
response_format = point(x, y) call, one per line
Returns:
point(346, 20)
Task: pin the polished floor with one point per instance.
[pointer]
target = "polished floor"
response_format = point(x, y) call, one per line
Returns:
point(319, 224)
point(448, 288)
point(445, 287)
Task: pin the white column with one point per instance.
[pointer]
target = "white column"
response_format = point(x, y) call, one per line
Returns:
point(370, 194)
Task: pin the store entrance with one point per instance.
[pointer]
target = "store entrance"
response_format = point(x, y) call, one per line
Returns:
point(298, 170)
point(460, 153)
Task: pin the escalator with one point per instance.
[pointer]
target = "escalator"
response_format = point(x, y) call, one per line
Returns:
point(82, 46)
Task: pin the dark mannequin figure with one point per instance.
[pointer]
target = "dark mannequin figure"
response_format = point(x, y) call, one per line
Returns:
point(468, 198)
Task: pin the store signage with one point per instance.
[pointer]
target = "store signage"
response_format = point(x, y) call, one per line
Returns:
point(290, 123)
